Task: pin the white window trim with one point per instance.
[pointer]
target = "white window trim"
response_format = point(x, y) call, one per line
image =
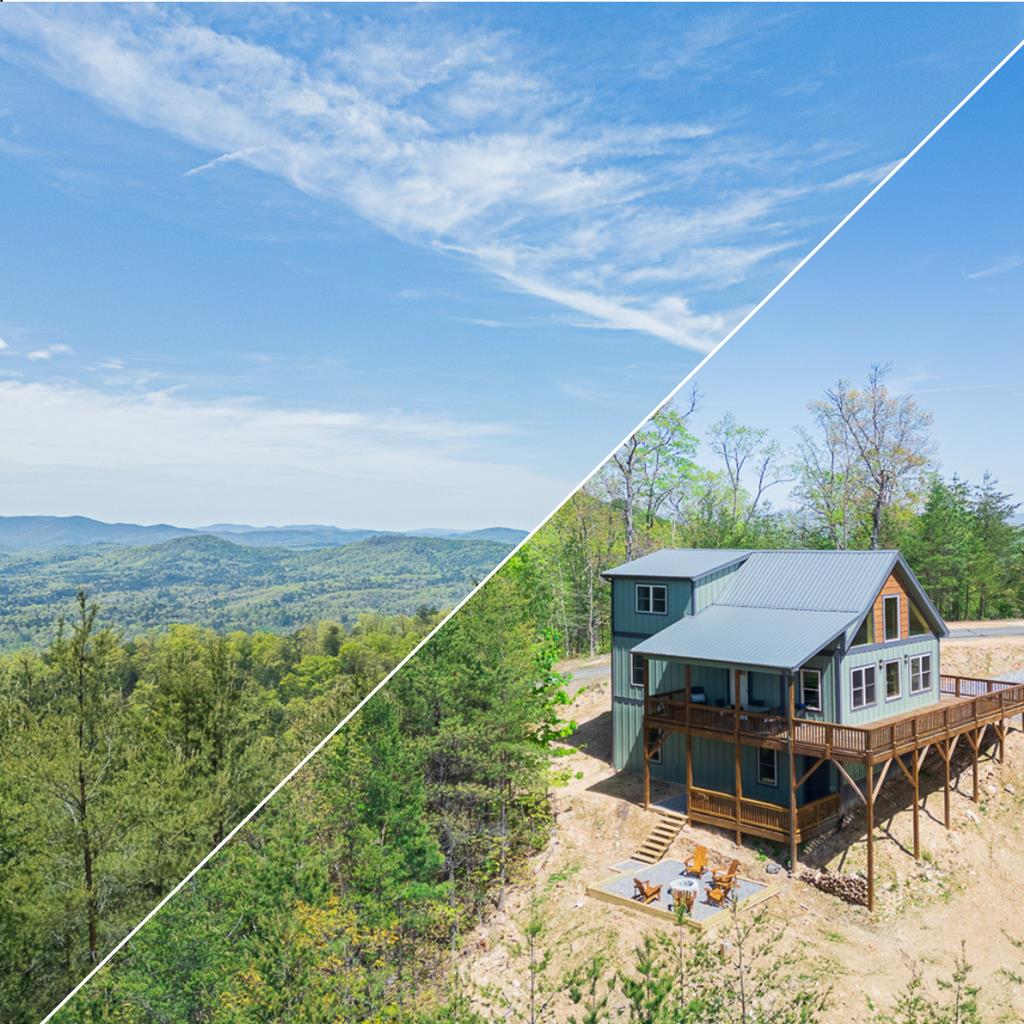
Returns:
point(885, 678)
point(853, 689)
point(632, 670)
point(761, 781)
point(899, 615)
point(803, 693)
point(650, 587)
point(919, 660)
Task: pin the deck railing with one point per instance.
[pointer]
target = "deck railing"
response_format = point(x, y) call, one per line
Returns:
point(977, 702)
point(759, 815)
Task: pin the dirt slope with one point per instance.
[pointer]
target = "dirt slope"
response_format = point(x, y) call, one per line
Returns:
point(966, 889)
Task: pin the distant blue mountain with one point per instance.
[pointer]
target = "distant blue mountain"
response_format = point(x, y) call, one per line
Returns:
point(22, 533)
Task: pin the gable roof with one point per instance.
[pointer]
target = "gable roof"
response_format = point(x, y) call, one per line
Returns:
point(680, 563)
point(777, 638)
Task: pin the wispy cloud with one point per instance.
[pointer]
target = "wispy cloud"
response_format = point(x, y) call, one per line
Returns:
point(3, 345)
point(1002, 266)
point(48, 352)
point(462, 141)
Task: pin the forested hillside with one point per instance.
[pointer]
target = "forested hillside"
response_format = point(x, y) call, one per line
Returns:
point(227, 586)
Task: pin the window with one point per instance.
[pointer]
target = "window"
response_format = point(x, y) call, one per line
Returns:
point(652, 598)
point(918, 627)
point(863, 680)
point(892, 680)
point(810, 689)
point(920, 673)
point(767, 767)
point(891, 616)
point(638, 670)
point(652, 738)
point(866, 633)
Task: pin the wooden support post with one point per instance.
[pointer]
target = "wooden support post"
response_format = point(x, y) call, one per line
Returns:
point(917, 804)
point(687, 736)
point(869, 780)
point(945, 760)
point(793, 781)
point(644, 736)
point(974, 738)
point(738, 756)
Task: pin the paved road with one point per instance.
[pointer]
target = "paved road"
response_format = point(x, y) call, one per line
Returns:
point(967, 632)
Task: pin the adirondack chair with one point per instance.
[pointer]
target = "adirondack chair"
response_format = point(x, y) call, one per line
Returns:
point(646, 892)
point(725, 879)
point(698, 863)
point(718, 894)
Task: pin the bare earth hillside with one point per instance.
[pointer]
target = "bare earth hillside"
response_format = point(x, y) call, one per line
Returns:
point(964, 891)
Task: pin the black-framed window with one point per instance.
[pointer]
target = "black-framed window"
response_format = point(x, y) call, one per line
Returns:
point(638, 670)
point(810, 688)
point(920, 673)
point(767, 766)
point(652, 737)
point(893, 681)
point(652, 598)
point(862, 683)
point(891, 617)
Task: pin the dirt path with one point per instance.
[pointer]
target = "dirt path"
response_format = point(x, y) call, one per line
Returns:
point(966, 890)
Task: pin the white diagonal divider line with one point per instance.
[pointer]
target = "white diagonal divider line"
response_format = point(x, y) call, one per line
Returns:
point(894, 170)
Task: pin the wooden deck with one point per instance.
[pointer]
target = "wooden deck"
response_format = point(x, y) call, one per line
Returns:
point(965, 705)
point(757, 818)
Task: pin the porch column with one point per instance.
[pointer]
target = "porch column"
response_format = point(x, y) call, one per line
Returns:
point(870, 814)
point(946, 753)
point(916, 758)
point(686, 736)
point(738, 751)
point(645, 733)
point(791, 715)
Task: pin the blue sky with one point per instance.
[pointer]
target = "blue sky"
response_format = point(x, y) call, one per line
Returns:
point(398, 266)
point(928, 277)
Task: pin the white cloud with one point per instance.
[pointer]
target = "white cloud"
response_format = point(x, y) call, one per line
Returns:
point(430, 136)
point(161, 456)
point(47, 353)
point(3, 345)
point(1002, 266)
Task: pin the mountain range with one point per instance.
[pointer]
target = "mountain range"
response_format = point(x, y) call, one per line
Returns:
point(20, 533)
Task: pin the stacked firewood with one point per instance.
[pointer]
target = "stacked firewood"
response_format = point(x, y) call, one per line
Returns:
point(851, 888)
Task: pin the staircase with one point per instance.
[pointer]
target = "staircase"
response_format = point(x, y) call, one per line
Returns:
point(660, 838)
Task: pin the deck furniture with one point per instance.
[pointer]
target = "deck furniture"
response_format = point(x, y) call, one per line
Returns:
point(646, 892)
point(698, 863)
point(718, 894)
point(727, 877)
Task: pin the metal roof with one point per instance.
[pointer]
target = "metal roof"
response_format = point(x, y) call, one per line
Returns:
point(780, 638)
point(680, 563)
point(813, 581)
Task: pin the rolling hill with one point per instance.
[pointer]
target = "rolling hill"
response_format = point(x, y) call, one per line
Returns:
point(227, 584)
point(26, 533)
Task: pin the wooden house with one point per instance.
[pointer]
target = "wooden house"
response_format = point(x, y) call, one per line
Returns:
point(780, 686)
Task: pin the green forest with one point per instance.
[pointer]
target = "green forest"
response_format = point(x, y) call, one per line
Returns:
point(214, 582)
point(344, 900)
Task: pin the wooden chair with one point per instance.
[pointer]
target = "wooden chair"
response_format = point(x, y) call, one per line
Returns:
point(698, 863)
point(725, 878)
point(646, 892)
point(718, 894)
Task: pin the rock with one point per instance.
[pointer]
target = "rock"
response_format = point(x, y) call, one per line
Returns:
point(1009, 789)
point(772, 868)
point(991, 790)
point(971, 816)
point(849, 888)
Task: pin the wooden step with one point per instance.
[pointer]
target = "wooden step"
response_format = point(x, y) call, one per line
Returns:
point(660, 838)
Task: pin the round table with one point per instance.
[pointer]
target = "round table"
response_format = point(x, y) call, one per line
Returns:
point(684, 891)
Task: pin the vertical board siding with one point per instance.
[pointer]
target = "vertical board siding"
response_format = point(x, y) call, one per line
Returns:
point(826, 665)
point(709, 588)
point(628, 620)
point(901, 650)
point(892, 587)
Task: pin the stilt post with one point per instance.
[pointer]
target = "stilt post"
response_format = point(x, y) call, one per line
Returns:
point(738, 756)
point(791, 714)
point(646, 738)
point(869, 778)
